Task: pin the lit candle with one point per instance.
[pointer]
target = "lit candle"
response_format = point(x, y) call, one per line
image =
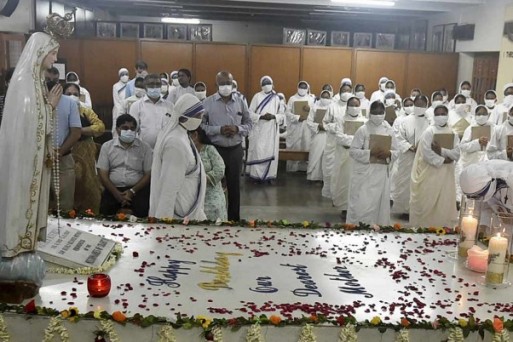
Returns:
point(467, 234)
point(477, 259)
point(497, 249)
point(98, 285)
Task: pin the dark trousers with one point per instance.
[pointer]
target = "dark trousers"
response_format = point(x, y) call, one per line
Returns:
point(140, 202)
point(232, 157)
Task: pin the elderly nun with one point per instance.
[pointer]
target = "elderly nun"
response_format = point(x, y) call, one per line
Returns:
point(178, 179)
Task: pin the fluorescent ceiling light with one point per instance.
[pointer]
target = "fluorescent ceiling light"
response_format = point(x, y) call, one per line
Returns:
point(365, 2)
point(180, 20)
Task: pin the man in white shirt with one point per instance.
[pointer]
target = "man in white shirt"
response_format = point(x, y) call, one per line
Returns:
point(150, 111)
point(184, 79)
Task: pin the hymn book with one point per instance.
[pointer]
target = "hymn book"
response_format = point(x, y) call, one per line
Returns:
point(299, 109)
point(444, 140)
point(383, 142)
point(350, 127)
point(390, 115)
point(319, 115)
point(481, 131)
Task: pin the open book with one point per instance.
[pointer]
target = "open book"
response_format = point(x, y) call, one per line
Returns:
point(382, 141)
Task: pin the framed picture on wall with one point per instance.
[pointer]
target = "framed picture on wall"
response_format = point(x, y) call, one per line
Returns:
point(293, 36)
point(200, 33)
point(177, 32)
point(129, 30)
point(317, 38)
point(385, 41)
point(154, 31)
point(362, 40)
point(449, 44)
point(106, 29)
point(339, 38)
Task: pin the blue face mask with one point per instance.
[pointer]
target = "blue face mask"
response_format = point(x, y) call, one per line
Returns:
point(154, 93)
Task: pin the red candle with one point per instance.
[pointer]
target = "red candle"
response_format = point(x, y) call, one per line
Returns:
point(98, 285)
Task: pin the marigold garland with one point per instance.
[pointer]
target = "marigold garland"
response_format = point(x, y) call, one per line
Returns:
point(348, 334)
point(217, 332)
point(4, 335)
point(108, 328)
point(166, 334)
point(403, 336)
point(307, 334)
point(455, 335)
point(56, 327)
point(255, 333)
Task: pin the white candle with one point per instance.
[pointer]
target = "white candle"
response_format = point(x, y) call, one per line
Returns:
point(468, 234)
point(497, 249)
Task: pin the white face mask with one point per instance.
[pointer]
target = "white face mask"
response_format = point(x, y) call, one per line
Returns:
point(191, 124)
point(267, 88)
point(325, 102)
point(154, 93)
point(225, 90)
point(460, 108)
point(201, 94)
point(127, 136)
point(353, 111)
point(389, 91)
point(389, 102)
point(377, 119)
point(441, 120)
point(301, 91)
point(382, 86)
point(490, 103)
point(408, 110)
point(175, 82)
point(436, 103)
point(360, 94)
point(164, 89)
point(419, 111)
point(465, 93)
point(508, 100)
point(413, 97)
point(481, 119)
point(142, 74)
point(139, 92)
point(445, 98)
point(124, 78)
point(345, 96)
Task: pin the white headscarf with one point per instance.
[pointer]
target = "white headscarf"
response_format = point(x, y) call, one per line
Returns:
point(346, 80)
point(381, 80)
point(122, 70)
point(172, 74)
point(264, 77)
point(506, 86)
point(76, 75)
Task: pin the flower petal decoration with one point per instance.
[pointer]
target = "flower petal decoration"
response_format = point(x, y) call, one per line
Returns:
point(275, 319)
point(498, 324)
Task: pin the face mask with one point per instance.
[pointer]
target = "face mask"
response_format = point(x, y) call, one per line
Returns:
point(127, 136)
point(191, 124)
point(389, 91)
point(139, 92)
point(481, 119)
point(389, 102)
point(460, 108)
point(377, 119)
point(345, 96)
point(445, 98)
point(267, 88)
point(301, 92)
point(413, 97)
point(441, 120)
point(360, 94)
point(382, 86)
point(175, 82)
point(225, 90)
point(124, 78)
point(201, 94)
point(75, 98)
point(490, 103)
point(435, 104)
point(465, 93)
point(353, 111)
point(419, 111)
point(142, 74)
point(154, 93)
point(508, 100)
point(325, 102)
point(164, 89)
point(408, 110)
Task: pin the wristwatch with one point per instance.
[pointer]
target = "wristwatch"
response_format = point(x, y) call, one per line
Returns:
point(132, 191)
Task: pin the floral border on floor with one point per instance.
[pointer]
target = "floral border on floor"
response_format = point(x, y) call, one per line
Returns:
point(457, 330)
point(397, 227)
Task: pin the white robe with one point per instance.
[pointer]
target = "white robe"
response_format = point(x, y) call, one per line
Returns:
point(318, 143)
point(497, 147)
point(455, 123)
point(298, 134)
point(377, 95)
point(333, 118)
point(178, 179)
point(118, 97)
point(499, 114)
point(409, 132)
point(264, 143)
point(343, 164)
point(471, 151)
point(369, 192)
point(433, 188)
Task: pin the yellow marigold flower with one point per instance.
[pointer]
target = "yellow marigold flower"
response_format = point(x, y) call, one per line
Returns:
point(462, 322)
point(98, 314)
point(204, 320)
point(440, 231)
point(306, 224)
point(375, 320)
point(65, 314)
point(73, 311)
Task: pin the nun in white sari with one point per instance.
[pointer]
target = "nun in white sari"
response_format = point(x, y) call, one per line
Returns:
point(315, 157)
point(118, 97)
point(433, 188)
point(369, 192)
point(178, 179)
point(267, 115)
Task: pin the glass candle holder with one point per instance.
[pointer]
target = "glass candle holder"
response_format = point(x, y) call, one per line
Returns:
point(98, 285)
point(499, 248)
point(470, 212)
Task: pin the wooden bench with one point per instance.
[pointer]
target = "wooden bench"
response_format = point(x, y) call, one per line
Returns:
point(293, 155)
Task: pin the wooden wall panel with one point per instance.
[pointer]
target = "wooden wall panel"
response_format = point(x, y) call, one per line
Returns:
point(167, 56)
point(371, 65)
point(102, 60)
point(325, 65)
point(212, 58)
point(431, 72)
point(282, 63)
point(70, 52)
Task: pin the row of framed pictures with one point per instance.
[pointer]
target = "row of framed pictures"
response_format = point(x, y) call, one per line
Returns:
point(383, 41)
point(105, 29)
